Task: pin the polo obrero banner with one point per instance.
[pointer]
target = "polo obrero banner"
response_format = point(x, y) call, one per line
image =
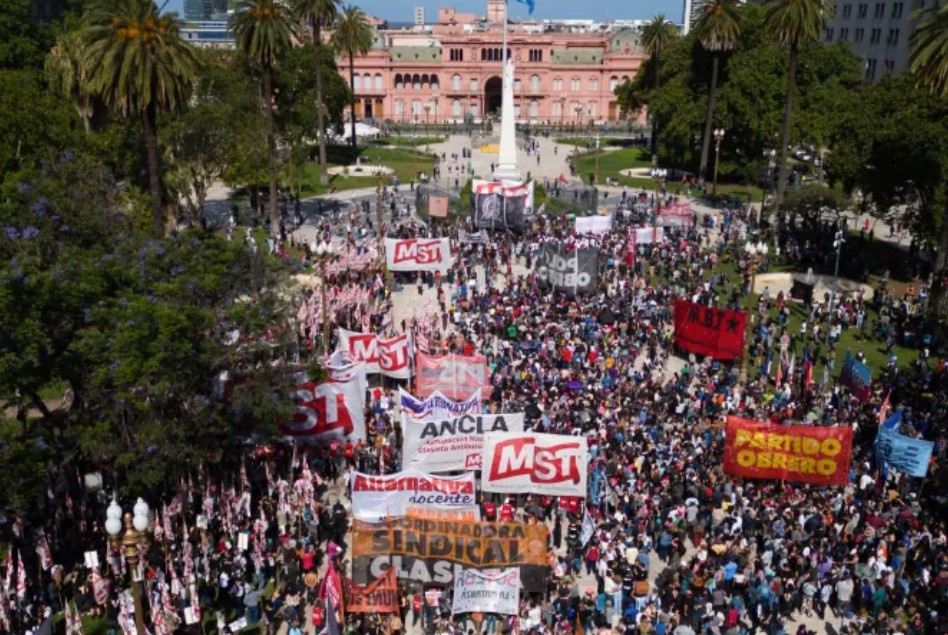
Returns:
point(806, 454)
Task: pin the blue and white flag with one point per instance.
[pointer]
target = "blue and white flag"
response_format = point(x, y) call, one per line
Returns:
point(531, 5)
point(589, 528)
point(906, 454)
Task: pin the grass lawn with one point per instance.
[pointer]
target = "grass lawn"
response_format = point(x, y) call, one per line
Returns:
point(408, 141)
point(406, 163)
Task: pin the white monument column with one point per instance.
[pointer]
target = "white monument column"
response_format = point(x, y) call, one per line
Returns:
point(507, 160)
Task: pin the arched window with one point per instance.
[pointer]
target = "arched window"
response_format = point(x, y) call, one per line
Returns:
point(435, 84)
point(575, 85)
point(557, 109)
point(591, 109)
point(594, 85)
point(399, 108)
point(357, 82)
point(456, 82)
point(613, 83)
point(625, 78)
point(416, 81)
point(456, 111)
point(534, 108)
point(415, 108)
point(399, 83)
point(517, 85)
point(534, 83)
point(378, 81)
point(424, 79)
point(367, 81)
point(557, 85)
point(473, 84)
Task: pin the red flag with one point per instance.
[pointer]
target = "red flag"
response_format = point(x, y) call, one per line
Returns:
point(331, 588)
point(884, 408)
point(707, 330)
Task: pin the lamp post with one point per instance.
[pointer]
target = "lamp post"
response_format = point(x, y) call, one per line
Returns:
point(756, 252)
point(597, 159)
point(838, 241)
point(136, 528)
point(770, 155)
point(324, 253)
point(658, 176)
point(718, 138)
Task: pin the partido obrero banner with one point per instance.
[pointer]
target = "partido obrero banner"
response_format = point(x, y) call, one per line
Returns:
point(378, 497)
point(487, 591)
point(443, 445)
point(418, 254)
point(437, 406)
point(388, 356)
point(435, 552)
point(532, 463)
point(806, 454)
point(380, 596)
point(573, 271)
point(706, 330)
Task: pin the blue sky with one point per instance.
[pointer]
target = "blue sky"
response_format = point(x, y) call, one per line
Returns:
point(401, 10)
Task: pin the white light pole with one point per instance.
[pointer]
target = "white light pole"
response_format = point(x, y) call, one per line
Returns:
point(718, 138)
point(136, 530)
point(756, 252)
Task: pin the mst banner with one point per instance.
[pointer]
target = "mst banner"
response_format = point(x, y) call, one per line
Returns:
point(487, 591)
point(386, 356)
point(574, 271)
point(418, 254)
point(380, 596)
point(792, 453)
point(455, 376)
point(437, 406)
point(376, 497)
point(706, 330)
point(532, 463)
point(444, 445)
point(435, 552)
point(330, 410)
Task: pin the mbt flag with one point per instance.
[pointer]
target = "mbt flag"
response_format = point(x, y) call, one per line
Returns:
point(906, 454)
point(573, 271)
point(806, 454)
point(455, 376)
point(718, 333)
point(388, 356)
point(444, 445)
point(330, 410)
point(857, 377)
point(487, 592)
point(532, 463)
point(437, 406)
point(379, 497)
point(418, 254)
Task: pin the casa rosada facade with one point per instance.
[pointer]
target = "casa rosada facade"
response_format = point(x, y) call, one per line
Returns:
point(451, 72)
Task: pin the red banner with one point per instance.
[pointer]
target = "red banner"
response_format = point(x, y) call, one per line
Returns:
point(807, 454)
point(456, 376)
point(380, 596)
point(709, 331)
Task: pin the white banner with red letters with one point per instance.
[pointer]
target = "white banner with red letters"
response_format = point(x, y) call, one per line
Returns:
point(380, 355)
point(418, 254)
point(378, 497)
point(456, 376)
point(532, 463)
point(330, 410)
point(452, 443)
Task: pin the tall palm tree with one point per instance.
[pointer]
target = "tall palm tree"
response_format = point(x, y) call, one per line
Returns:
point(352, 35)
point(656, 36)
point(928, 60)
point(68, 74)
point(793, 23)
point(264, 31)
point(318, 13)
point(138, 63)
point(718, 30)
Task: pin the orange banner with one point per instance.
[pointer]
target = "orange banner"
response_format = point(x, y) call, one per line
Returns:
point(380, 596)
point(792, 453)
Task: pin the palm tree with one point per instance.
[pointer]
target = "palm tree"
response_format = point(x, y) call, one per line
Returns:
point(718, 30)
point(793, 24)
point(656, 36)
point(928, 60)
point(352, 35)
point(138, 63)
point(264, 31)
point(68, 75)
point(318, 13)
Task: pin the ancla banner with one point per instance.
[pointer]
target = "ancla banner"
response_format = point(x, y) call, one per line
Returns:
point(444, 445)
point(806, 454)
point(378, 497)
point(705, 330)
point(380, 596)
point(487, 592)
point(456, 376)
point(531, 463)
point(418, 254)
point(573, 271)
point(437, 406)
point(386, 356)
point(330, 410)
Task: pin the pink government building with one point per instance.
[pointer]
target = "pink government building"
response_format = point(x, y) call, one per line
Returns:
point(450, 71)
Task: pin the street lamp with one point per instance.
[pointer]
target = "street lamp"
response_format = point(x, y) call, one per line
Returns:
point(658, 176)
point(323, 254)
point(770, 155)
point(756, 252)
point(136, 528)
point(597, 159)
point(718, 138)
point(838, 241)
point(579, 120)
